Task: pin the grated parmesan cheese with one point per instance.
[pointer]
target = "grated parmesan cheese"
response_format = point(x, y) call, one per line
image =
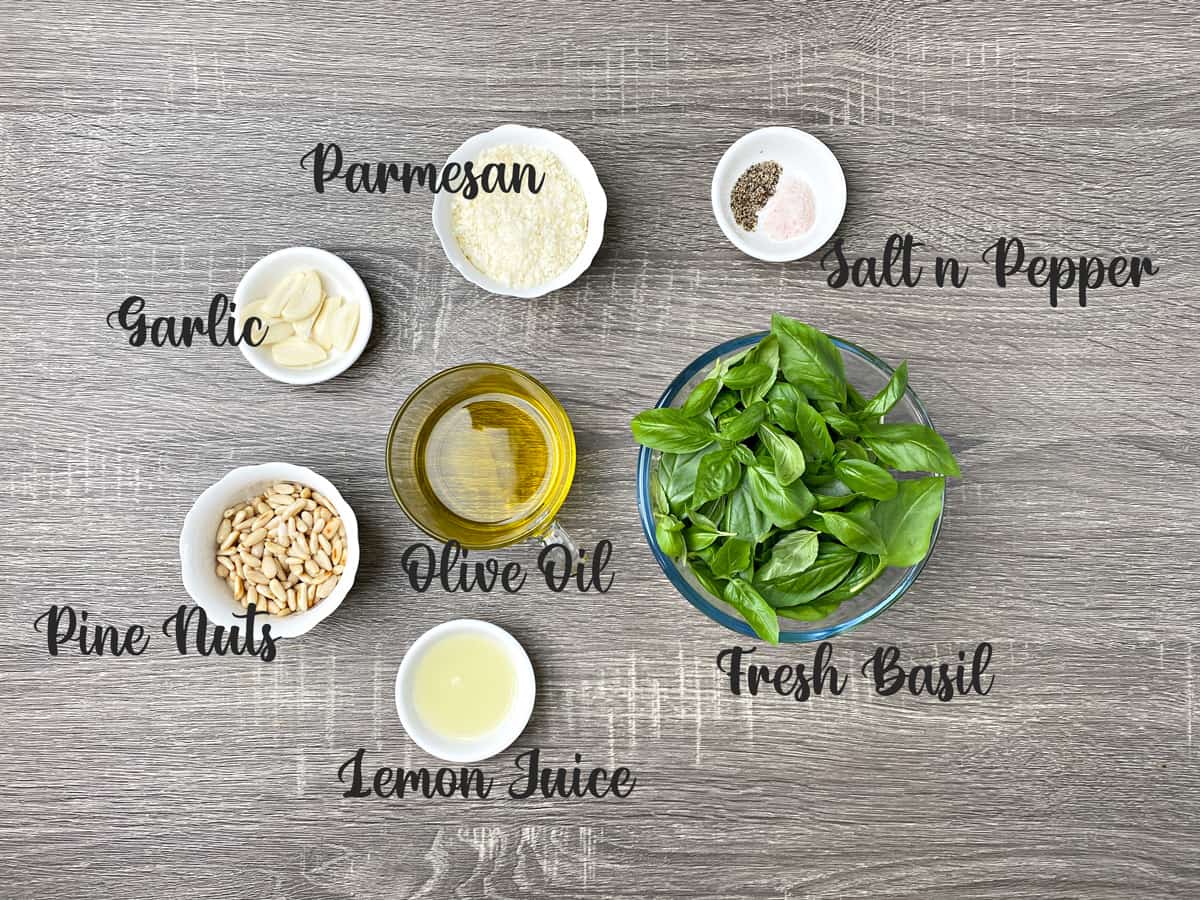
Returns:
point(523, 239)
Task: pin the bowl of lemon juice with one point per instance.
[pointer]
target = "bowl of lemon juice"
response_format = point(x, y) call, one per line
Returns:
point(465, 690)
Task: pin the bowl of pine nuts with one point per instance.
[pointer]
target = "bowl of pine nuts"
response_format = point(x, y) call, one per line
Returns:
point(278, 536)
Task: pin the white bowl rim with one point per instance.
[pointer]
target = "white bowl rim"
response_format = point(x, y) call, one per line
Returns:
point(574, 159)
point(322, 260)
point(510, 729)
point(220, 610)
point(806, 244)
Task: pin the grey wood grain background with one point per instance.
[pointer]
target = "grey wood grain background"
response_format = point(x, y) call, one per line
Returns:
point(153, 148)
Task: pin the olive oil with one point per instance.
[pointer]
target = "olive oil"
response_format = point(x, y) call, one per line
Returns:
point(490, 457)
point(463, 686)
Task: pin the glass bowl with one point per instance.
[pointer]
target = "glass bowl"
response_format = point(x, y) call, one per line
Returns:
point(868, 374)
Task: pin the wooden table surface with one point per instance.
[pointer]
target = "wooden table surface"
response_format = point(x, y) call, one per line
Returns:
point(154, 149)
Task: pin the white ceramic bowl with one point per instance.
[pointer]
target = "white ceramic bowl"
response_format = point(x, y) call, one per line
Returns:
point(466, 751)
point(573, 161)
point(198, 547)
point(338, 277)
point(804, 156)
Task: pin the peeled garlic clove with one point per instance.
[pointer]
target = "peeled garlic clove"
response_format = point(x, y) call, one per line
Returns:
point(322, 331)
point(304, 297)
point(254, 308)
point(304, 327)
point(296, 352)
point(273, 305)
point(276, 332)
point(345, 324)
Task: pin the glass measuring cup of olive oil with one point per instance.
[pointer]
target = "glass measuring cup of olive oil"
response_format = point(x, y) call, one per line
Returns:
point(483, 454)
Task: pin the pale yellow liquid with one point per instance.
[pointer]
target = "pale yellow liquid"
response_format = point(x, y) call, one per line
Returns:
point(463, 686)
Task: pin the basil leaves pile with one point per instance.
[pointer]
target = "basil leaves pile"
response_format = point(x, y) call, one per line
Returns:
point(775, 483)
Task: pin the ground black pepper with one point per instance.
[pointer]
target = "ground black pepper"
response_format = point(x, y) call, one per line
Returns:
point(751, 192)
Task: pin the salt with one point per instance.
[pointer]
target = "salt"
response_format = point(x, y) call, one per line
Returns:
point(790, 212)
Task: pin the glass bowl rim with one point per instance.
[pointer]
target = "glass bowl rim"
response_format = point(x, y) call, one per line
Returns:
point(671, 570)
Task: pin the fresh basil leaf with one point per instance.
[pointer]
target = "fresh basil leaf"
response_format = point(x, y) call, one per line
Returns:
point(865, 570)
point(828, 569)
point(732, 557)
point(910, 447)
point(854, 400)
point(782, 401)
point(744, 424)
point(698, 537)
point(833, 495)
point(671, 431)
point(812, 433)
point(792, 554)
point(866, 478)
point(849, 449)
point(861, 508)
point(667, 531)
point(726, 400)
point(809, 612)
point(749, 603)
point(766, 353)
point(809, 359)
point(721, 366)
point(717, 475)
point(746, 375)
point(659, 502)
point(743, 517)
point(711, 512)
point(881, 404)
point(906, 521)
point(857, 534)
point(817, 478)
point(743, 454)
point(707, 579)
point(683, 475)
point(825, 502)
point(701, 398)
point(784, 505)
point(841, 423)
point(812, 522)
point(786, 453)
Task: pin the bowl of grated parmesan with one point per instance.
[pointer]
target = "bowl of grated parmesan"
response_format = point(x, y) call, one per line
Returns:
point(536, 219)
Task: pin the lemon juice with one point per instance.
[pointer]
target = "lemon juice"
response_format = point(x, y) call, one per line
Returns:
point(463, 686)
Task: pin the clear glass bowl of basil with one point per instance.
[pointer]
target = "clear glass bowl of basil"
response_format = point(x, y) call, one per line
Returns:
point(791, 484)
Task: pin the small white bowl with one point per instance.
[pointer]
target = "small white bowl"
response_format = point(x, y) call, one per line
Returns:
point(573, 161)
point(339, 279)
point(198, 547)
point(466, 751)
point(800, 154)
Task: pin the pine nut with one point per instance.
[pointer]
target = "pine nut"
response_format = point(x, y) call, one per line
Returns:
point(283, 551)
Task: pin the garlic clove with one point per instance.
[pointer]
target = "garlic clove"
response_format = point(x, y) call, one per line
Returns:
point(273, 305)
point(296, 352)
point(255, 308)
point(304, 297)
point(276, 332)
point(322, 331)
point(304, 327)
point(345, 325)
